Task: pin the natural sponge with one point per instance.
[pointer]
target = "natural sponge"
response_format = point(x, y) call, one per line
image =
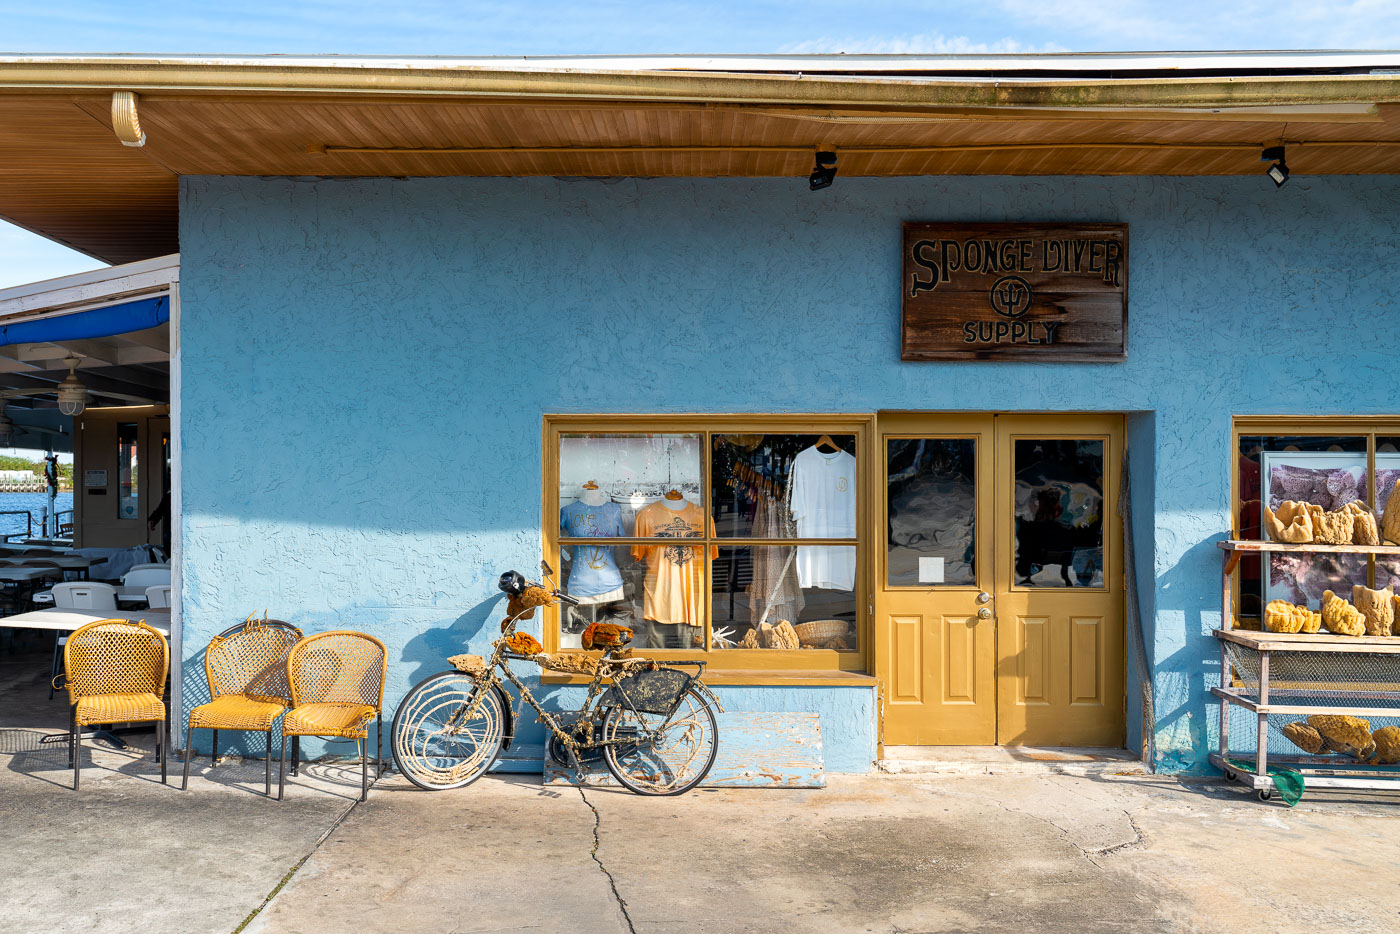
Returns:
point(1341, 617)
point(1282, 616)
point(1377, 607)
point(1292, 523)
point(1387, 740)
point(1332, 528)
point(1390, 518)
point(1345, 734)
point(1364, 530)
point(1304, 736)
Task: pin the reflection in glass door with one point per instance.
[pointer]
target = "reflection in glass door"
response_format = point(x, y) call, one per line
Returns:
point(933, 615)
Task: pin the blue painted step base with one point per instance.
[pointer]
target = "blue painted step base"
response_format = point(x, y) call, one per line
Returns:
point(756, 750)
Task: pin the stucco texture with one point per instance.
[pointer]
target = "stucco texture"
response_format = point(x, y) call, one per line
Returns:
point(365, 363)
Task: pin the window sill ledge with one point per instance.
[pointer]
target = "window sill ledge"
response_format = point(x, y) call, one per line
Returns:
point(754, 676)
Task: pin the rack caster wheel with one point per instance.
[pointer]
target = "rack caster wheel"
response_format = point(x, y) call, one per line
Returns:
point(1231, 776)
point(1265, 795)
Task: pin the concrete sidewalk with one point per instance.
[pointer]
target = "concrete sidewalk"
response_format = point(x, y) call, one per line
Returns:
point(1050, 853)
point(1043, 853)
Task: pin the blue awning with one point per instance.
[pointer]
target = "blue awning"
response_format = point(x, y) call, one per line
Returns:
point(100, 322)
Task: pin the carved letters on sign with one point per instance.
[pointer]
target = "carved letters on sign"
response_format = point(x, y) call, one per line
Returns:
point(999, 291)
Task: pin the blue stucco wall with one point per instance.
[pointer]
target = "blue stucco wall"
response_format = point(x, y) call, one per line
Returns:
point(365, 364)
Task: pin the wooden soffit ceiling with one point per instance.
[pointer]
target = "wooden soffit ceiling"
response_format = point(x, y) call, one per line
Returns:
point(65, 174)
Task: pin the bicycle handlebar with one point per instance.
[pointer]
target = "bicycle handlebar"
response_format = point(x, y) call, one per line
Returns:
point(514, 583)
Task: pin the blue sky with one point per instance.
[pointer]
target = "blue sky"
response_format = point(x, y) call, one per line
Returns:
point(606, 26)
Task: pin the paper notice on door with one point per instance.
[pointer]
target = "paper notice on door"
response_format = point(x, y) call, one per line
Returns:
point(930, 570)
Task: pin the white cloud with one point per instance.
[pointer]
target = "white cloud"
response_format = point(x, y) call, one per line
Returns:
point(922, 44)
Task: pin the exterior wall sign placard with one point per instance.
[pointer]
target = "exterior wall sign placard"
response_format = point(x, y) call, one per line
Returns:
point(1006, 291)
point(94, 478)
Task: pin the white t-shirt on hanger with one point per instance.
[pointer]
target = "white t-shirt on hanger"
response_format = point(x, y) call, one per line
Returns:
point(824, 506)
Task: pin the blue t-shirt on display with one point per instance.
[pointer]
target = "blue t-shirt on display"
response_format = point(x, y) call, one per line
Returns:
point(594, 569)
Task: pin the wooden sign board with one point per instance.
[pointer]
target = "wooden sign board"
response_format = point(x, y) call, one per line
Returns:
point(1053, 292)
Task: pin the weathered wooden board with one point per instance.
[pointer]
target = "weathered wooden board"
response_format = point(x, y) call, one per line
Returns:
point(997, 291)
point(756, 750)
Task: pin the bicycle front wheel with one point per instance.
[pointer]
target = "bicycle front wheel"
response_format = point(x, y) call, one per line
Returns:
point(436, 745)
point(651, 754)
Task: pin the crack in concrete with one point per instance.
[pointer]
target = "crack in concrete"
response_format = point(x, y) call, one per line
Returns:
point(598, 842)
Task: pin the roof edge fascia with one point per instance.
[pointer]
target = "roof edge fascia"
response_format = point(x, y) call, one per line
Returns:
point(273, 80)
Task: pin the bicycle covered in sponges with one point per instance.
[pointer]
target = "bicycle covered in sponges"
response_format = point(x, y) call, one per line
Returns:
point(652, 722)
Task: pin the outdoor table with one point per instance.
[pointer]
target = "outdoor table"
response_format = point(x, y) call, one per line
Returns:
point(66, 620)
point(26, 575)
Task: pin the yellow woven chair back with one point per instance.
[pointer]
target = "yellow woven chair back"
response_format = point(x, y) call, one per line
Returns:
point(113, 656)
point(252, 661)
point(338, 668)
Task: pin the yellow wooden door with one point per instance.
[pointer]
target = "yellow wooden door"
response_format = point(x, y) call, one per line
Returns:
point(936, 638)
point(1059, 581)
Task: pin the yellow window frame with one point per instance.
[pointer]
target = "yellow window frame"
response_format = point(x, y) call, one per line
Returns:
point(734, 665)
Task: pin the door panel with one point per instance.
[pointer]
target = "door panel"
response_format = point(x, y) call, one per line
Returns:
point(937, 656)
point(1059, 581)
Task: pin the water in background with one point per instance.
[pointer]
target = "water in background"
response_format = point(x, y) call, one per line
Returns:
point(35, 503)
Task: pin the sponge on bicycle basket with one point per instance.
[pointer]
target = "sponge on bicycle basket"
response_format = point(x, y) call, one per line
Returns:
point(523, 605)
point(605, 636)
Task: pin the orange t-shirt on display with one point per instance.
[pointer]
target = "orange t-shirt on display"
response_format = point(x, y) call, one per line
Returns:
point(673, 581)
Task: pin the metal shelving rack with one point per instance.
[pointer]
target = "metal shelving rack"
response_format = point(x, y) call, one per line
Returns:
point(1292, 672)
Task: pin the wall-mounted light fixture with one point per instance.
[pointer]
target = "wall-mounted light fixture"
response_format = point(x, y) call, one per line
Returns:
point(824, 172)
point(1279, 170)
point(72, 394)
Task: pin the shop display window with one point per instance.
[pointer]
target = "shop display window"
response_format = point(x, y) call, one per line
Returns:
point(712, 535)
point(1328, 463)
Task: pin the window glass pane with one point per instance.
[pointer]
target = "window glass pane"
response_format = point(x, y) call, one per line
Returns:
point(1059, 513)
point(1387, 473)
point(783, 486)
point(932, 508)
point(128, 472)
point(607, 481)
point(756, 588)
point(1327, 470)
point(620, 605)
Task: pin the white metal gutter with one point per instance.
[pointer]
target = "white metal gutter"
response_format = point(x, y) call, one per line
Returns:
point(86, 291)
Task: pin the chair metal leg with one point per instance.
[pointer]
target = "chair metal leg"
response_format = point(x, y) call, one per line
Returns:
point(77, 749)
point(296, 755)
point(364, 769)
point(282, 768)
point(189, 751)
point(53, 669)
point(163, 732)
point(267, 766)
point(72, 733)
point(214, 756)
point(379, 746)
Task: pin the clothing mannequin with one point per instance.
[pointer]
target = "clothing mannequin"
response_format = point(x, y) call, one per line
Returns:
point(594, 577)
point(590, 495)
point(674, 500)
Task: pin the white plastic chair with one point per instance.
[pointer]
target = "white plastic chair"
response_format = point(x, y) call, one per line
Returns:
point(158, 597)
point(147, 567)
point(140, 579)
point(78, 595)
point(84, 595)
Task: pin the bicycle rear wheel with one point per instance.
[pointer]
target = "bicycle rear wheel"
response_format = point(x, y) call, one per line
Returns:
point(677, 757)
point(435, 745)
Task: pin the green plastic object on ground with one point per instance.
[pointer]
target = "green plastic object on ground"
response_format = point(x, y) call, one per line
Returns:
point(1287, 782)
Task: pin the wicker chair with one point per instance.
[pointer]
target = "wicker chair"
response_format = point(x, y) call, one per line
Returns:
point(246, 667)
point(337, 681)
point(115, 672)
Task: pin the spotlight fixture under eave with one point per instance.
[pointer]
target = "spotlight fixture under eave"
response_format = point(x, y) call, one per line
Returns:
point(823, 172)
point(1279, 170)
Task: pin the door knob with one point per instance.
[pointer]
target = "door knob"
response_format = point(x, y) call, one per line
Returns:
point(984, 613)
point(984, 597)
